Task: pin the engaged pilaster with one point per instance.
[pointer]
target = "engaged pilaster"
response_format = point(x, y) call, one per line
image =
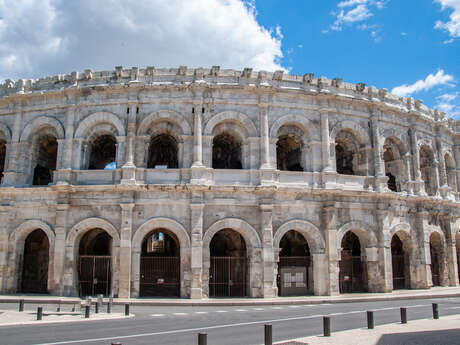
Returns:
point(196, 225)
point(124, 284)
point(269, 281)
point(329, 225)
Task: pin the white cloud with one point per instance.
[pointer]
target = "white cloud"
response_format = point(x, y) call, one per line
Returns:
point(453, 25)
point(354, 11)
point(432, 80)
point(449, 103)
point(42, 37)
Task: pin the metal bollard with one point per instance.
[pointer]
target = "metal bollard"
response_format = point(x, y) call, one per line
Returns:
point(202, 338)
point(58, 308)
point(87, 310)
point(268, 334)
point(435, 311)
point(96, 308)
point(116, 344)
point(326, 326)
point(73, 308)
point(109, 306)
point(370, 320)
point(39, 313)
point(403, 315)
point(21, 305)
point(126, 309)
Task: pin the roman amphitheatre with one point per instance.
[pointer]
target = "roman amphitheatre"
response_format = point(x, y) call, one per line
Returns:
point(196, 183)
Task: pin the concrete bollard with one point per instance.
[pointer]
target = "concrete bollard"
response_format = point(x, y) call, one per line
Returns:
point(87, 311)
point(370, 320)
point(126, 309)
point(39, 313)
point(326, 326)
point(202, 338)
point(403, 315)
point(435, 311)
point(268, 336)
point(21, 305)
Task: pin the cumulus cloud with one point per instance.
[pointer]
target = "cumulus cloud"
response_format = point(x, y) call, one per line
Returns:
point(354, 11)
point(450, 104)
point(432, 80)
point(42, 37)
point(453, 25)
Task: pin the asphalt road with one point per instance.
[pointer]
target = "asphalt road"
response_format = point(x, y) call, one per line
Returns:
point(224, 325)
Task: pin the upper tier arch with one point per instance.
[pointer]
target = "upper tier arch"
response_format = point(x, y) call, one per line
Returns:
point(311, 130)
point(164, 115)
point(231, 116)
point(41, 122)
point(100, 117)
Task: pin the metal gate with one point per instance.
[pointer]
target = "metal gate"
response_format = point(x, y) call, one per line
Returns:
point(352, 277)
point(94, 275)
point(160, 276)
point(227, 276)
point(35, 273)
point(399, 276)
point(298, 261)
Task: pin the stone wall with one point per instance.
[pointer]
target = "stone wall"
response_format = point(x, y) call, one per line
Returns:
point(373, 136)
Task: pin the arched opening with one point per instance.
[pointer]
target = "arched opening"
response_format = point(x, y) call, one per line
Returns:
point(229, 267)
point(95, 263)
point(226, 152)
point(450, 172)
point(289, 153)
point(35, 263)
point(352, 277)
point(394, 164)
point(347, 153)
point(436, 251)
point(103, 153)
point(294, 266)
point(45, 162)
point(400, 264)
point(426, 169)
point(163, 152)
point(2, 158)
point(160, 265)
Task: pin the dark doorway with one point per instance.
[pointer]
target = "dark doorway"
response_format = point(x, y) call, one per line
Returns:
point(295, 265)
point(400, 264)
point(344, 160)
point(226, 152)
point(352, 277)
point(436, 258)
point(35, 263)
point(228, 271)
point(103, 152)
point(160, 265)
point(163, 152)
point(94, 264)
point(2, 158)
point(46, 160)
point(289, 153)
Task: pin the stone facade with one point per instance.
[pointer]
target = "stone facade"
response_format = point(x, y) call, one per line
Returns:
point(317, 156)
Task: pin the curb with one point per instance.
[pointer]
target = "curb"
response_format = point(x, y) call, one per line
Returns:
point(239, 302)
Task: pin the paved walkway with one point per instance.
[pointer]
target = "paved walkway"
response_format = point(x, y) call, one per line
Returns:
point(437, 292)
point(444, 331)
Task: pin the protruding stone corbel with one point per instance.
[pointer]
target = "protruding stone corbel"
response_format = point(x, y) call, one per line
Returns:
point(308, 78)
point(150, 71)
point(182, 70)
point(337, 82)
point(418, 104)
point(118, 71)
point(199, 73)
point(246, 72)
point(383, 93)
point(135, 73)
point(278, 75)
point(360, 87)
point(88, 74)
point(215, 71)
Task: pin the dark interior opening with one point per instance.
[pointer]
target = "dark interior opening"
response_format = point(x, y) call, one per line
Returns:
point(46, 160)
point(103, 152)
point(226, 152)
point(163, 152)
point(289, 153)
point(35, 263)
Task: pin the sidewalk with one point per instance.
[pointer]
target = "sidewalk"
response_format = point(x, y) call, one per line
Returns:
point(437, 292)
point(446, 330)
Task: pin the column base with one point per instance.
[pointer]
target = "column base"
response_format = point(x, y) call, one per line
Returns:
point(267, 176)
point(381, 184)
point(128, 174)
point(199, 175)
point(196, 293)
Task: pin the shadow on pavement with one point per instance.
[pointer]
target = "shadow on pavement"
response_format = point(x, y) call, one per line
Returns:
point(445, 337)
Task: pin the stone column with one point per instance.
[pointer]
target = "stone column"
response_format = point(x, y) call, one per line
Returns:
point(457, 165)
point(62, 209)
point(4, 225)
point(419, 186)
point(197, 140)
point(423, 255)
point(329, 226)
point(384, 261)
point(442, 164)
point(451, 251)
point(379, 165)
point(269, 278)
point(128, 170)
point(325, 139)
point(124, 282)
point(265, 138)
point(320, 268)
point(12, 171)
point(196, 225)
point(435, 176)
point(63, 173)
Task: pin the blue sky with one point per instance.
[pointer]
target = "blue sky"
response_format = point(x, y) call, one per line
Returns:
point(412, 48)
